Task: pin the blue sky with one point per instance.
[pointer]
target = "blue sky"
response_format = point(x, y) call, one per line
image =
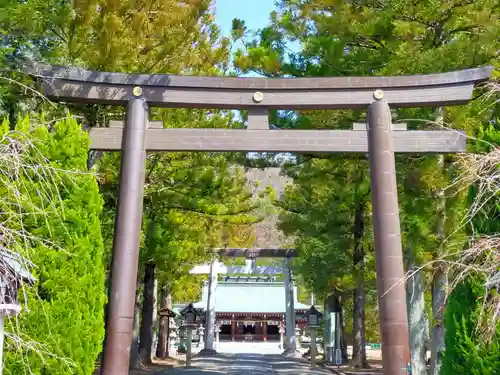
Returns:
point(255, 13)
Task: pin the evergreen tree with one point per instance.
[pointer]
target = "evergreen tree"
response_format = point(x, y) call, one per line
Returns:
point(466, 352)
point(183, 190)
point(469, 347)
point(318, 211)
point(339, 38)
point(62, 328)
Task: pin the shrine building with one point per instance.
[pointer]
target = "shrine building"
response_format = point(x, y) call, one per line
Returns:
point(251, 308)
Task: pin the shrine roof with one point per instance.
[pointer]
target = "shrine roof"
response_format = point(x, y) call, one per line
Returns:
point(249, 297)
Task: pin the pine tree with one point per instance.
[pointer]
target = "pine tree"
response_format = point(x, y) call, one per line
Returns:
point(339, 38)
point(161, 36)
point(334, 245)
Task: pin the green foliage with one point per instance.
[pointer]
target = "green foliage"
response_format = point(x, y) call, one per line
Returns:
point(487, 220)
point(341, 38)
point(359, 38)
point(61, 330)
point(318, 211)
point(110, 34)
point(186, 288)
point(194, 203)
point(466, 353)
point(160, 36)
point(190, 199)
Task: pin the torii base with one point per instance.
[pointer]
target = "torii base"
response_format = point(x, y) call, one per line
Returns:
point(207, 353)
point(291, 353)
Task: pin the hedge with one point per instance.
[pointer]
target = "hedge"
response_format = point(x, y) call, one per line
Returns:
point(61, 328)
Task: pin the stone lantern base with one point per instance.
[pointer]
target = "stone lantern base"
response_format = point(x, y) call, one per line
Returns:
point(9, 309)
point(291, 353)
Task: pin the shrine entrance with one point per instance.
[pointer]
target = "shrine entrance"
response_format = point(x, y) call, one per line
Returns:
point(265, 330)
point(258, 299)
point(380, 139)
point(273, 331)
point(248, 330)
point(226, 331)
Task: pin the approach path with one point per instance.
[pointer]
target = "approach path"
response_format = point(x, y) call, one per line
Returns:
point(247, 364)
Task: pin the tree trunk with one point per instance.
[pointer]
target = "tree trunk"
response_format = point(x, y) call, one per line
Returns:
point(12, 110)
point(417, 319)
point(134, 347)
point(162, 346)
point(439, 287)
point(439, 284)
point(343, 346)
point(358, 330)
point(109, 279)
point(154, 341)
point(147, 321)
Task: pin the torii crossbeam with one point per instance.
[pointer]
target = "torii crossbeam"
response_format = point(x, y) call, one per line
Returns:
point(258, 96)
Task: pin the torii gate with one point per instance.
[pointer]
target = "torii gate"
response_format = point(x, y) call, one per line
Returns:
point(215, 268)
point(258, 96)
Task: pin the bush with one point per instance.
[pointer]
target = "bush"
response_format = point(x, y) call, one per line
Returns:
point(62, 329)
point(466, 353)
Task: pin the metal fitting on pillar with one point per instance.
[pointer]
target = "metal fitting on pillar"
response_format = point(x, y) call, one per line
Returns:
point(378, 94)
point(137, 91)
point(258, 97)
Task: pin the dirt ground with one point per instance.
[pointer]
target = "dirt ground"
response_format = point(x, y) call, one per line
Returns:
point(158, 365)
point(375, 369)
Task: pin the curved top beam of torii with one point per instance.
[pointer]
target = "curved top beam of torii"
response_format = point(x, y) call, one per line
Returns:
point(252, 253)
point(74, 84)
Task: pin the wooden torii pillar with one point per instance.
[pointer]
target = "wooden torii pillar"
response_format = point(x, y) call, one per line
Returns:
point(259, 95)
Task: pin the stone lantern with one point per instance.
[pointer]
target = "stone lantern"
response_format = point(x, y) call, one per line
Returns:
point(282, 331)
point(313, 317)
point(192, 317)
point(13, 274)
point(217, 329)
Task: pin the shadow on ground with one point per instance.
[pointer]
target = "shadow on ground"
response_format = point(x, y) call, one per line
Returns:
point(246, 364)
point(158, 367)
